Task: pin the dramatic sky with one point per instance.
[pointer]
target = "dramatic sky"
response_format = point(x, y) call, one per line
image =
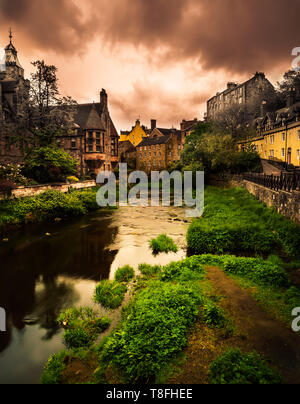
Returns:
point(156, 58)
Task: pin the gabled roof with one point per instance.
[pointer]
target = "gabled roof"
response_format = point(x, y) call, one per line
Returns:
point(154, 140)
point(93, 120)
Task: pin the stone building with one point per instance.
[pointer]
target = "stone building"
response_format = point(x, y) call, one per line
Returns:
point(14, 95)
point(238, 94)
point(93, 139)
point(163, 146)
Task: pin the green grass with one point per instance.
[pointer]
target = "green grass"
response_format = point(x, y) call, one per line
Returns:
point(149, 270)
point(110, 294)
point(267, 281)
point(235, 222)
point(234, 367)
point(163, 244)
point(124, 274)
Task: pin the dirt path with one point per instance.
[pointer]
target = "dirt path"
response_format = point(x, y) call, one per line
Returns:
point(272, 339)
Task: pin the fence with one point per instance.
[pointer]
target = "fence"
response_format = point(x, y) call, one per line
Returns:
point(283, 182)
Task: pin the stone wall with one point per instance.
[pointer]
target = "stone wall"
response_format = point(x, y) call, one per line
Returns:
point(286, 203)
point(23, 192)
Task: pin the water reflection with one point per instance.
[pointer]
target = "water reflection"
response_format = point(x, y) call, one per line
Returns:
point(39, 277)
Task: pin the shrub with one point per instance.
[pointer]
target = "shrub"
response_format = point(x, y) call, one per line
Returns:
point(82, 326)
point(149, 270)
point(163, 243)
point(124, 274)
point(48, 164)
point(213, 315)
point(186, 270)
point(110, 294)
point(153, 330)
point(236, 368)
point(54, 369)
point(207, 238)
point(256, 269)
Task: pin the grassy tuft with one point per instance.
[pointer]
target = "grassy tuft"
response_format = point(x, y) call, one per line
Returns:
point(110, 294)
point(163, 244)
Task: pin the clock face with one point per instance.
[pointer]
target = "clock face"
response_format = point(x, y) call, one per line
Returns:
point(2, 60)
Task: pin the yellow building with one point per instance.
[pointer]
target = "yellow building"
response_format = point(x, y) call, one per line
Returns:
point(135, 137)
point(279, 136)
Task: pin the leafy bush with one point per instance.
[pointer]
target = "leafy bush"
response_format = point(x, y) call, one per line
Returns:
point(163, 243)
point(54, 369)
point(186, 270)
point(110, 294)
point(153, 330)
point(124, 274)
point(207, 238)
point(82, 326)
point(48, 205)
point(48, 164)
point(213, 315)
point(236, 368)
point(149, 270)
point(256, 269)
point(13, 174)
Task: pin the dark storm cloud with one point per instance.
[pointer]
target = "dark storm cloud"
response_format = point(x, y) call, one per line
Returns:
point(238, 35)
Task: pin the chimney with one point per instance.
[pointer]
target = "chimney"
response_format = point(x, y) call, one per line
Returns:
point(291, 97)
point(153, 124)
point(103, 98)
point(231, 86)
point(263, 108)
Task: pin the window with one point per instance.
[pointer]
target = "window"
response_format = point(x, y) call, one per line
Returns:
point(298, 154)
point(262, 147)
point(73, 143)
point(283, 137)
point(298, 134)
point(282, 152)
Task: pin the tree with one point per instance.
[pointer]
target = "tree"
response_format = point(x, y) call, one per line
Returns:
point(216, 152)
point(50, 114)
point(49, 164)
point(290, 81)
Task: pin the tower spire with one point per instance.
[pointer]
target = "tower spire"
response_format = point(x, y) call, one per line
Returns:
point(10, 36)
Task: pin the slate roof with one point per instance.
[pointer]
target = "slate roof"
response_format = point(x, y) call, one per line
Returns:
point(89, 116)
point(154, 140)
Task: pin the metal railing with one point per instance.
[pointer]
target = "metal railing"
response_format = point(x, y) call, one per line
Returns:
point(283, 182)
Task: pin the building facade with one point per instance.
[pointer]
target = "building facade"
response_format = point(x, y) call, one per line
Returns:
point(136, 135)
point(14, 96)
point(278, 136)
point(93, 140)
point(162, 147)
point(237, 94)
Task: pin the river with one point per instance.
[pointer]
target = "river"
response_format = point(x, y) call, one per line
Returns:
point(47, 268)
